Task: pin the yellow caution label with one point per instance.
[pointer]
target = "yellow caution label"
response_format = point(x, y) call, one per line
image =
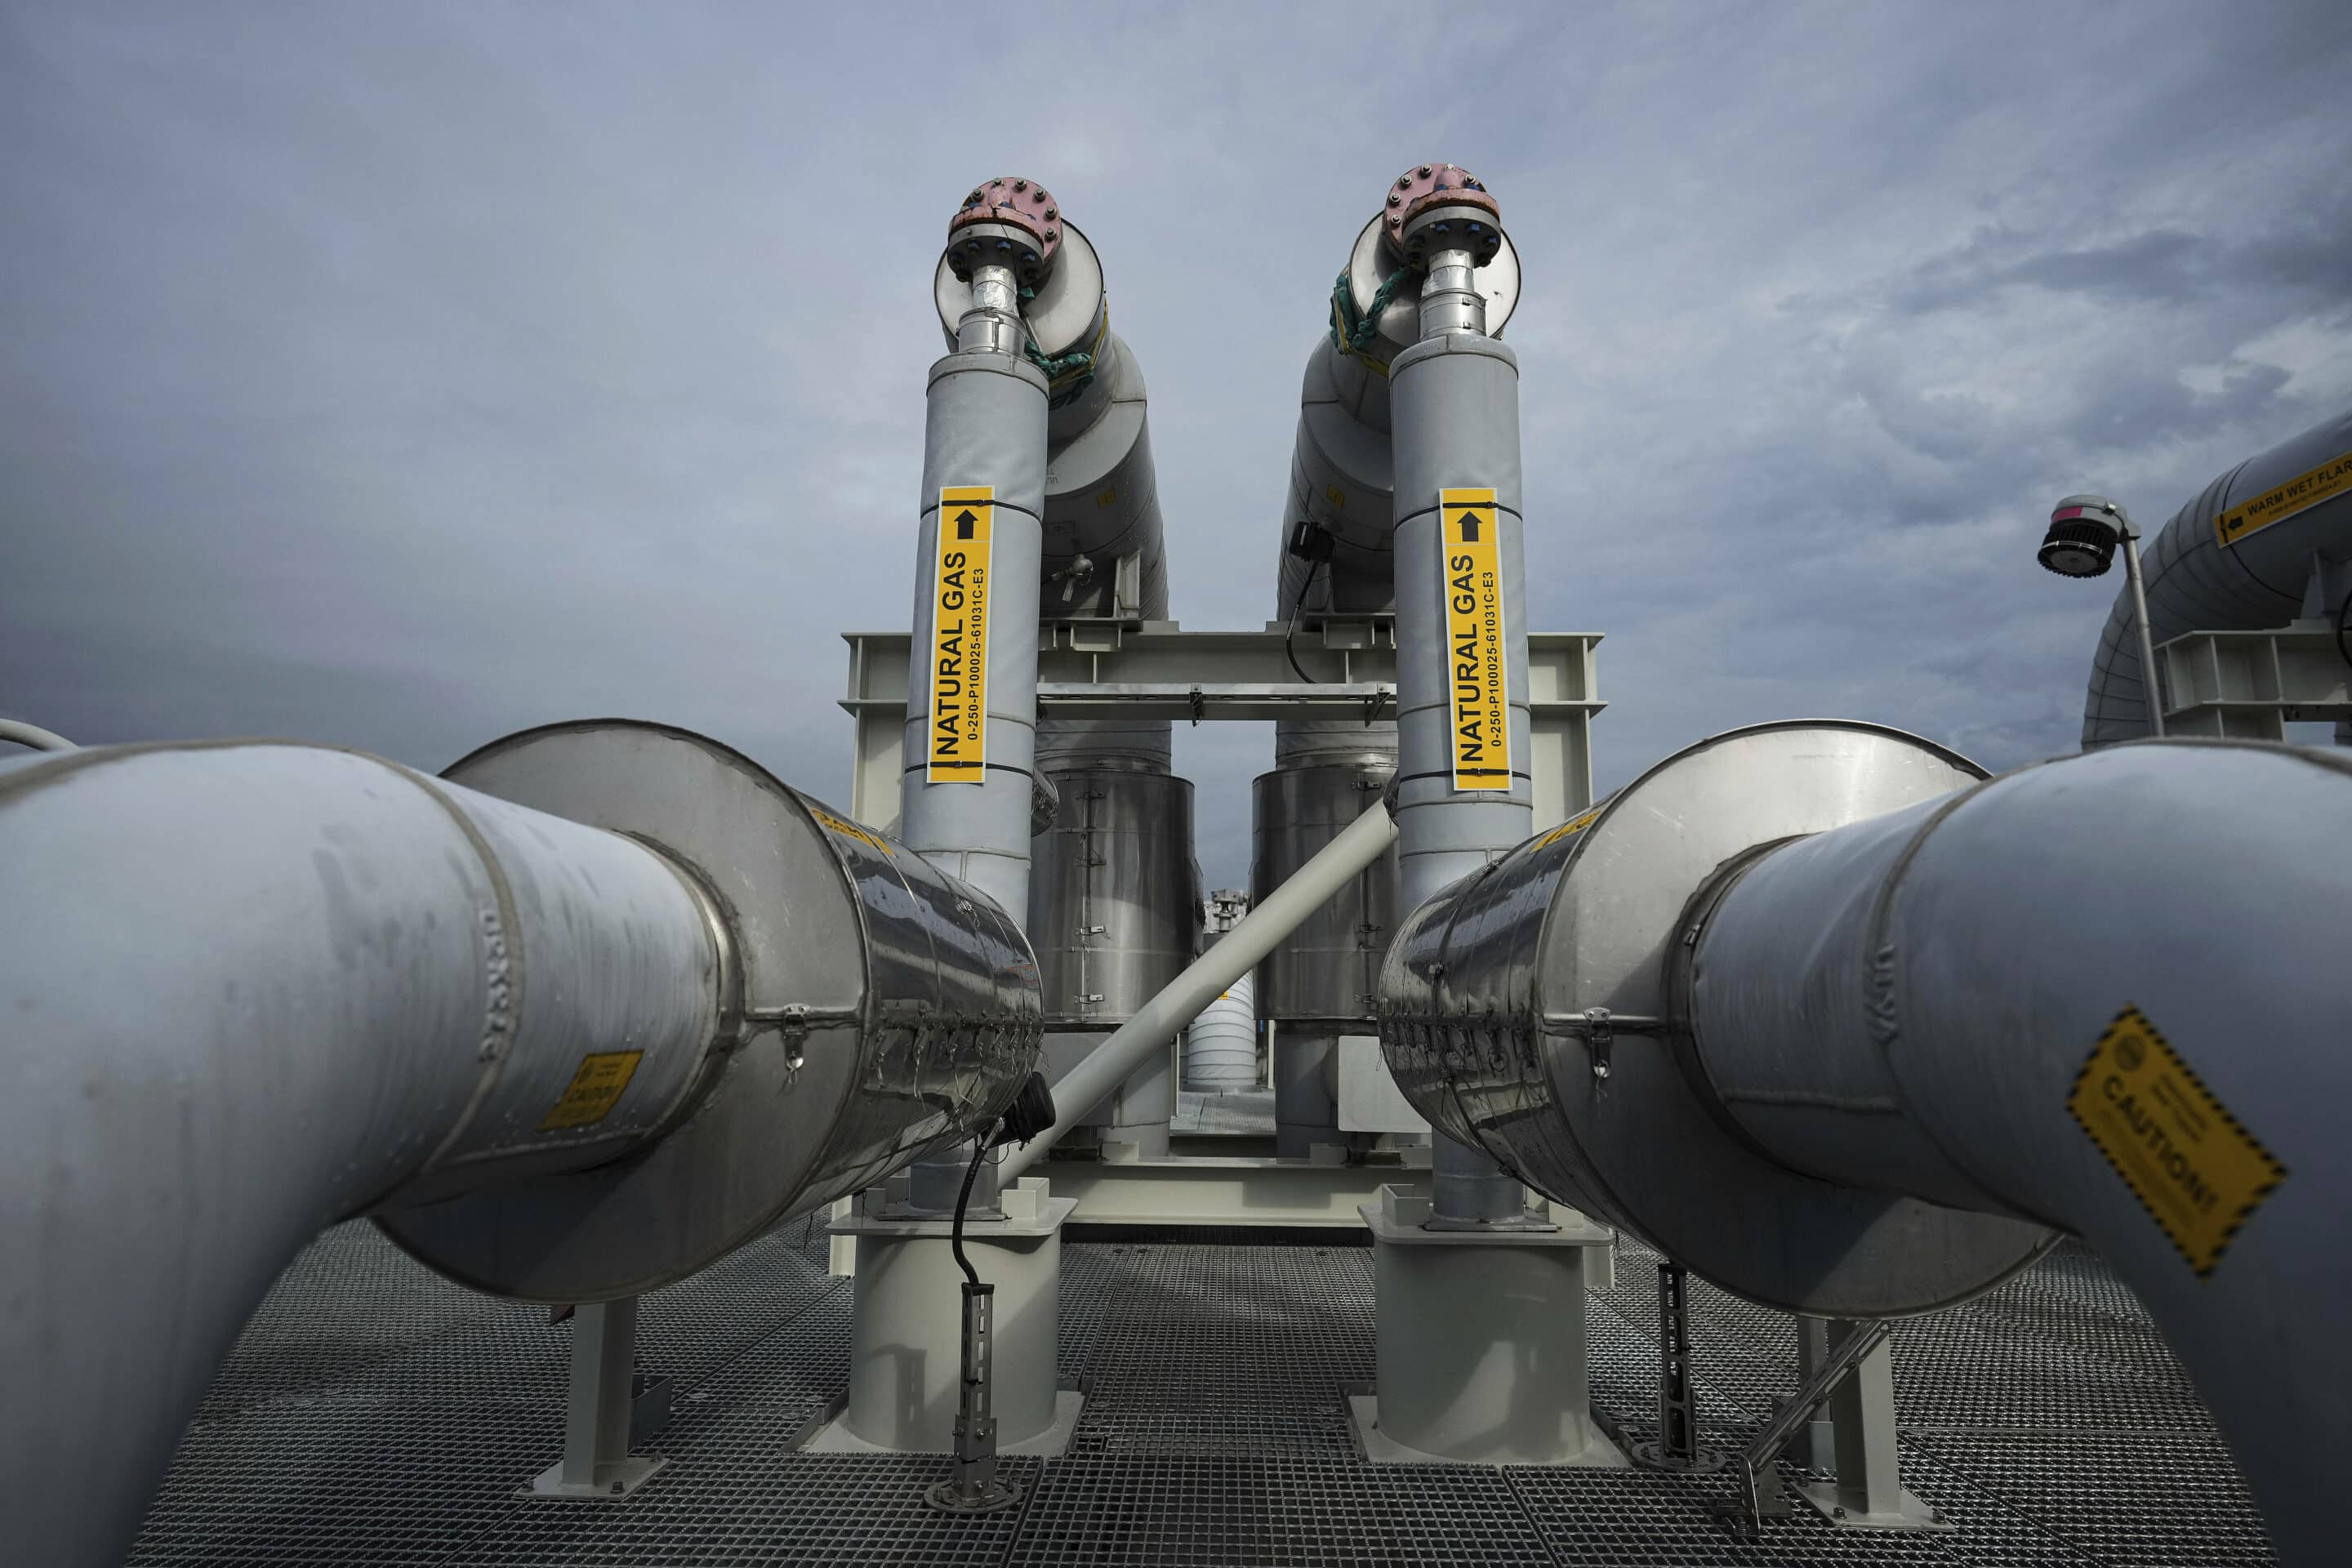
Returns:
point(1577, 823)
point(1474, 638)
point(958, 752)
point(595, 1089)
point(2332, 477)
point(848, 830)
point(2193, 1167)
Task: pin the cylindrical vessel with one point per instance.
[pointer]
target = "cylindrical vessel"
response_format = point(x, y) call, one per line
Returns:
point(984, 427)
point(1221, 1044)
point(1115, 913)
point(1115, 905)
point(1326, 973)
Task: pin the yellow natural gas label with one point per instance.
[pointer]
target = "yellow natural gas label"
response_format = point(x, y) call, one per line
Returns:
point(1474, 638)
point(2197, 1171)
point(2332, 477)
point(846, 829)
point(959, 728)
point(595, 1089)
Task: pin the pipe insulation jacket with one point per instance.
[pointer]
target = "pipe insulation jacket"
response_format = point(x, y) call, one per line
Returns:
point(2196, 583)
point(252, 989)
point(1917, 1003)
point(1454, 404)
point(984, 424)
point(1154, 1024)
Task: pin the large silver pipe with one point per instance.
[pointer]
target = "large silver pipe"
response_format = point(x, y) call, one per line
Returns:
point(983, 430)
point(1237, 952)
point(2223, 563)
point(2107, 993)
point(251, 990)
point(1454, 409)
point(248, 989)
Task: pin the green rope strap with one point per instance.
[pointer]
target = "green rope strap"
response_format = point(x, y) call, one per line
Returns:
point(1353, 333)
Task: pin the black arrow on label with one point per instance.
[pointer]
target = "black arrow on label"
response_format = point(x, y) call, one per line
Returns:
point(964, 520)
point(1469, 527)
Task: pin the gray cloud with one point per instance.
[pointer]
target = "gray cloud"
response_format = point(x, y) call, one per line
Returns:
point(404, 375)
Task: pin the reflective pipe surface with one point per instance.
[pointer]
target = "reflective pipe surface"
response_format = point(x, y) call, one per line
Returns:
point(1326, 971)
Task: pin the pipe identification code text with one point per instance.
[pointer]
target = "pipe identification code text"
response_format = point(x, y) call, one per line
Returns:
point(1479, 702)
point(2193, 1167)
point(958, 752)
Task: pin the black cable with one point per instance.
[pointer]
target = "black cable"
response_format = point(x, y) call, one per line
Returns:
point(1295, 606)
point(2340, 612)
point(963, 1200)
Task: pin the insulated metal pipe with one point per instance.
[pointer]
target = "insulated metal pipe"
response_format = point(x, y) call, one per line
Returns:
point(1155, 1023)
point(966, 793)
point(252, 989)
point(2239, 557)
point(2107, 993)
point(1464, 795)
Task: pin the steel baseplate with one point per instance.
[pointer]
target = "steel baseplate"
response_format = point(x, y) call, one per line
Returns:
point(1910, 1511)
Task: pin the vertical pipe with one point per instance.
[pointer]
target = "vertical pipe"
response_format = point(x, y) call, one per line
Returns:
point(2139, 628)
point(1454, 408)
point(984, 424)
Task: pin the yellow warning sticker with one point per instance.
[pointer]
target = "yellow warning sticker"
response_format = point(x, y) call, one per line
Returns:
point(959, 721)
point(1473, 636)
point(848, 830)
point(1573, 825)
point(2193, 1167)
point(595, 1089)
point(2332, 477)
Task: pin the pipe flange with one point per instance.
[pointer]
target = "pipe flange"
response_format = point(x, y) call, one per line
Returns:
point(1440, 206)
point(1013, 222)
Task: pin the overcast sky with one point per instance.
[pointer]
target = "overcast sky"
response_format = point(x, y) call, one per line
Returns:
point(401, 375)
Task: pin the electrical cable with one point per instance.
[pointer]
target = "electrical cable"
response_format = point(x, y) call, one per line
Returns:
point(1298, 604)
point(964, 1201)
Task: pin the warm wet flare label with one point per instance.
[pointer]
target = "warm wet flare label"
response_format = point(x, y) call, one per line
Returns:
point(2332, 477)
point(2193, 1167)
point(1478, 701)
point(593, 1091)
point(958, 751)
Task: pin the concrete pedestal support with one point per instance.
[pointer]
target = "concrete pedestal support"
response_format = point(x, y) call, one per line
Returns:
point(906, 1326)
point(1481, 1347)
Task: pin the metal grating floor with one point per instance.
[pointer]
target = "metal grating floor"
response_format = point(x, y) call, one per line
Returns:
point(374, 1415)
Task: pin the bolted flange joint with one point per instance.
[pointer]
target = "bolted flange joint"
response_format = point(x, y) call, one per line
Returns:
point(1438, 207)
point(1011, 222)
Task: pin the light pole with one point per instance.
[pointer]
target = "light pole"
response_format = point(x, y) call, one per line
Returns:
point(2081, 542)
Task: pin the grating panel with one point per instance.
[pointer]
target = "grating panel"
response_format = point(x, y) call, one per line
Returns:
point(2165, 1499)
point(346, 1480)
point(374, 1415)
point(1624, 1517)
point(349, 1302)
point(730, 1497)
point(1277, 1511)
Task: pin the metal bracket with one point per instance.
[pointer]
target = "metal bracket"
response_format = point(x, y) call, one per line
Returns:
point(1760, 1495)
